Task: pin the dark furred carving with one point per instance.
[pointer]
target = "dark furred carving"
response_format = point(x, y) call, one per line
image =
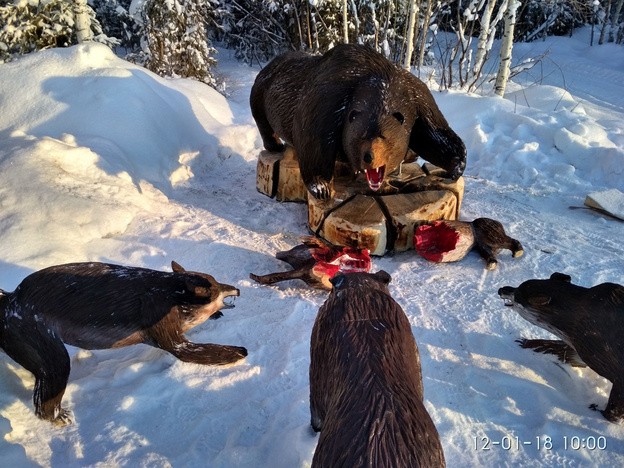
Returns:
point(316, 262)
point(366, 391)
point(103, 306)
point(355, 105)
point(590, 321)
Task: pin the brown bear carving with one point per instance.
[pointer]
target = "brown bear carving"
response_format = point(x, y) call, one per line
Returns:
point(366, 390)
point(350, 104)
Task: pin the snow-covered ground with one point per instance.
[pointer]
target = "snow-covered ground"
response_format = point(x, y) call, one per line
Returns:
point(101, 160)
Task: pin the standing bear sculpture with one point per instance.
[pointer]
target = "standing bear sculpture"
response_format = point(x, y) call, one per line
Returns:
point(354, 105)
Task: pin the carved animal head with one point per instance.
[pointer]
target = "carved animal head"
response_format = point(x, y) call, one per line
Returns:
point(204, 294)
point(379, 281)
point(550, 304)
point(376, 136)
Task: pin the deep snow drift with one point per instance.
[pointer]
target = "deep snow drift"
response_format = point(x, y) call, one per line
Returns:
point(101, 160)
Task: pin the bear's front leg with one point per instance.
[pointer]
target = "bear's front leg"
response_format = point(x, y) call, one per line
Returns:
point(614, 411)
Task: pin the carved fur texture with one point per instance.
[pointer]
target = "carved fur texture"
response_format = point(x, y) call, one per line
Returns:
point(366, 391)
point(102, 306)
point(355, 105)
point(589, 321)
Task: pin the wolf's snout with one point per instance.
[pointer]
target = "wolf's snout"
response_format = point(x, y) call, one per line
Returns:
point(507, 294)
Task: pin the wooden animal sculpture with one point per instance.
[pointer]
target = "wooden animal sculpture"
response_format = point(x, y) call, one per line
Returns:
point(589, 322)
point(316, 262)
point(104, 306)
point(366, 390)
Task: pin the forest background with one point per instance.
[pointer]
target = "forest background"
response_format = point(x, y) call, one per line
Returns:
point(447, 41)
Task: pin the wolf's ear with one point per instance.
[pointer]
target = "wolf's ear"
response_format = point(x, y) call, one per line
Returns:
point(561, 277)
point(175, 266)
point(383, 276)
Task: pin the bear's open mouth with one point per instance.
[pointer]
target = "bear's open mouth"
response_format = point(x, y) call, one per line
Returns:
point(375, 177)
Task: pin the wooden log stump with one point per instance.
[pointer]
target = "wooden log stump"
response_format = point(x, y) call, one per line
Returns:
point(408, 210)
point(358, 223)
point(277, 175)
point(359, 217)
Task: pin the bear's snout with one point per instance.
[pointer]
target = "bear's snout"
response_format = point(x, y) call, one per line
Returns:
point(368, 157)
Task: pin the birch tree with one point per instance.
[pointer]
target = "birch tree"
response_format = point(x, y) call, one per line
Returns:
point(506, 47)
point(614, 20)
point(485, 35)
point(486, 39)
point(605, 22)
point(82, 21)
point(425, 28)
point(411, 26)
point(345, 19)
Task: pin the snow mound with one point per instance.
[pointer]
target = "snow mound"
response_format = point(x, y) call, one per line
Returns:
point(132, 119)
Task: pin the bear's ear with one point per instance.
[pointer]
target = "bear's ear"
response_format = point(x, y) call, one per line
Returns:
point(353, 115)
point(399, 117)
point(383, 276)
point(175, 266)
point(561, 277)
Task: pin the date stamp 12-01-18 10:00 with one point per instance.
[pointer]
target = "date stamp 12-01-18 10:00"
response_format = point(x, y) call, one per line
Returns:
point(541, 443)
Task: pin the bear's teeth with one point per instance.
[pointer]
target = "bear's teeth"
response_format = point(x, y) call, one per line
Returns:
point(375, 177)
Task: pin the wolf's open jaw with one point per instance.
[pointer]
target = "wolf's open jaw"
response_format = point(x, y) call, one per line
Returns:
point(375, 177)
point(228, 302)
point(507, 295)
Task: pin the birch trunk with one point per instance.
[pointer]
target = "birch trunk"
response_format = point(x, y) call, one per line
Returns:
point(410, 34)
point(605, 23)
point(357, 21)
point(425, 29)
point(486, 39)
point(506, 47)
point(484, 36)
point(345, 25)
point(82, 21)
point(614, 20)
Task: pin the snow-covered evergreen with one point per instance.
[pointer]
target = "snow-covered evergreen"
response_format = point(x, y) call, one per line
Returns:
point(118, 22)
point(175, 35)
point(29, 25)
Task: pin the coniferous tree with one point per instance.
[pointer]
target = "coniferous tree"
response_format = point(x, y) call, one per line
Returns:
point(258, 30)
point(30, 25)
point(175, 32)
point(118, 22)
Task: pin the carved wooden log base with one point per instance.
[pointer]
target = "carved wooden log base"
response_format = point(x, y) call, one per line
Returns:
point(359, 217)
point(277, 175)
